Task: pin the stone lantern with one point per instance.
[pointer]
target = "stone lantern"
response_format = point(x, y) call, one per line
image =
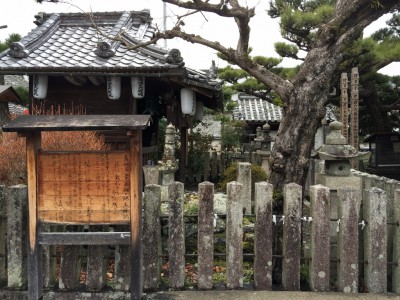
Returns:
point(337, 154)
point(263, 141)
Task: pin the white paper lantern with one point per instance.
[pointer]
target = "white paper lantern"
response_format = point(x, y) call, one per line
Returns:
point(39, 85)
point(113, 87)
point(198, 116)
point(188, 101)
point(138, 87)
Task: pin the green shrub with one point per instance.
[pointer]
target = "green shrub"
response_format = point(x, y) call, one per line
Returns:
point(230, 174)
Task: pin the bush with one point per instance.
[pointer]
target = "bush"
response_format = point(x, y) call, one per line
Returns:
point(230, 174)
point(13, 150)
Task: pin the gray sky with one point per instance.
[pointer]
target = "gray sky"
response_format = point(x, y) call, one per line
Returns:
point(19, 17)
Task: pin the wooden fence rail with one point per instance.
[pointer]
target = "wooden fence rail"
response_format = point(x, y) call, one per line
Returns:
point(74, 267)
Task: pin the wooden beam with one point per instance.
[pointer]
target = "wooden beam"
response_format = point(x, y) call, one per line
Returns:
point(35, 282)
point(136, 213)
point(84, 238)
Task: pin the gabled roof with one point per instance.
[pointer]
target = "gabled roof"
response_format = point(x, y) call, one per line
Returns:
point(65, 43)
point(255, 110)
point(81, 44)
point(8, 94)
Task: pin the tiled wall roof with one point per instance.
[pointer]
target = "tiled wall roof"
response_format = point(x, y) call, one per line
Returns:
point(253, 109)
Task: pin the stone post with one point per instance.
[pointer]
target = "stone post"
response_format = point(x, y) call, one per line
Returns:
point(205, 235)
point(16, 236)
point(335, 174)
point(396, 244)
point(176, 240)
point(244, 177)
point(349, 214)
point(320, 239)
point(375, 237)
point(151, 236)
point(292, 206)
point(169, 164)
point(151, 174)
point(3, 234)
point(263, 236)
point(234, 236)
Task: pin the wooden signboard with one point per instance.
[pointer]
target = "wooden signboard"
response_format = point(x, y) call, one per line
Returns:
point(84, 188)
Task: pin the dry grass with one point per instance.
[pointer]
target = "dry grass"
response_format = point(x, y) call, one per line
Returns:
point(13, 152)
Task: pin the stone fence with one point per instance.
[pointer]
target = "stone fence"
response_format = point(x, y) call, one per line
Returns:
point(364, 256)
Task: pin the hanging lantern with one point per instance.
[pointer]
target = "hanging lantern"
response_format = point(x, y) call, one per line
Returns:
point(113, 87)
point(198, 116)
point(138, 87)
point(40, 86)
point(188, 101)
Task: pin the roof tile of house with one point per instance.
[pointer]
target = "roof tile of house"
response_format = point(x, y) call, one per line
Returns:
point(253, 109)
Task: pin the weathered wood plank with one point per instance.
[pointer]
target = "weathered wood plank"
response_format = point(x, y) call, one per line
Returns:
point(76, 188)
point(84, 238)
point(77, 122)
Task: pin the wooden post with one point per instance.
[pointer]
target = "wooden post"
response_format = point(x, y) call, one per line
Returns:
point(344, 105)
point(136, 213)
point(291, 237)
point(205, 235)
point(354, 139)
point(35, 282)
point(263, 236)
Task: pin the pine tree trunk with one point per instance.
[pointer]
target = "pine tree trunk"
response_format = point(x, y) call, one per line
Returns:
point(302, 116)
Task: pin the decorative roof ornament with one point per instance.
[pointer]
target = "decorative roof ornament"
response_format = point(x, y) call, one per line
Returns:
point(174, 57)
point(212, 72)
point(18, 50)
point(104, 49)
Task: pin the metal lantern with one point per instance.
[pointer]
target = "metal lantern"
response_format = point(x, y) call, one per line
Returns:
point(138, 87)
point(40, 86)
point(188, 101)
point(113, 87)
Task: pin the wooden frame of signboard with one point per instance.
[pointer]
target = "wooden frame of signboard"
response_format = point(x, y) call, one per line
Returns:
point(96, 187)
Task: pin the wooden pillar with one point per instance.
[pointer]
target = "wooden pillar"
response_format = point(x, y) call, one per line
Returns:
point(136, 213)
point(183, 154)
point(35, 284)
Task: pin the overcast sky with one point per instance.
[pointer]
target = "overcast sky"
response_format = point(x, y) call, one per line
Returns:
point(18, 15)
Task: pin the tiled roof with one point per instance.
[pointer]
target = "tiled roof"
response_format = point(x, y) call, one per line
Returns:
point(64, 43)
point(253, 109)
point(16, 109)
